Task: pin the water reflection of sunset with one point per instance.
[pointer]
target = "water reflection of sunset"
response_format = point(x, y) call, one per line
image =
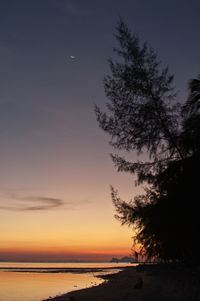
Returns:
point(37, 286)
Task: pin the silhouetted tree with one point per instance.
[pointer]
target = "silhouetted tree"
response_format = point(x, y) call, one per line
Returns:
point(142, 115)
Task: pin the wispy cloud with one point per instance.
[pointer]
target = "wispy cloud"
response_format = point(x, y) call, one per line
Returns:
point(15, 202)
point(18, 201)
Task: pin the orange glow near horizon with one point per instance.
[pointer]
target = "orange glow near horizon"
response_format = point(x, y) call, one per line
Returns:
point(54, 254)
point(88, 231)
point(40, 251)
point(101, 238)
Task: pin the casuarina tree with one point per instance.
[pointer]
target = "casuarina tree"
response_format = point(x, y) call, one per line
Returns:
point(142, 115)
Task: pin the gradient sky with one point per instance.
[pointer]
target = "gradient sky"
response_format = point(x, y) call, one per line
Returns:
point(55, 169)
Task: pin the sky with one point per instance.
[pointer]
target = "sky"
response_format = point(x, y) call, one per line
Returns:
point(55, 168)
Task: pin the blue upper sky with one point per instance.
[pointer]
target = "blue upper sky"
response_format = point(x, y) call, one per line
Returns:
point(47, 98)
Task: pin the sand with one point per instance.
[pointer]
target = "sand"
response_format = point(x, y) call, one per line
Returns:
point(143, 283)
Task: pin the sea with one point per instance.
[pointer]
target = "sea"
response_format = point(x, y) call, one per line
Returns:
point(36, 281)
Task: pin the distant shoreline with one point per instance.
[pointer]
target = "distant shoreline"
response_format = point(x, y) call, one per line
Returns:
point(61, 270)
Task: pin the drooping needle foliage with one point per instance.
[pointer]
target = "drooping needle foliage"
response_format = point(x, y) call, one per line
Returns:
point(142, 115)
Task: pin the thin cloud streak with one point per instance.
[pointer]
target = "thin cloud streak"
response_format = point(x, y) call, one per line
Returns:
point(18, 202)
point(43, 203)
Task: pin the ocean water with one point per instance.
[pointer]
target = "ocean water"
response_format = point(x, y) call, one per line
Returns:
point(26, 281)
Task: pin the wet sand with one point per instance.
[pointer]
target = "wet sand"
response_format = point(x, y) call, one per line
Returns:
point(143, 283)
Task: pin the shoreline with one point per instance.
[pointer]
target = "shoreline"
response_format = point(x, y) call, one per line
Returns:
point(142, 283)
point(61, 270)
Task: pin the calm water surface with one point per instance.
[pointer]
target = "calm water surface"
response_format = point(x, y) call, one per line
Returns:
point(39, 281)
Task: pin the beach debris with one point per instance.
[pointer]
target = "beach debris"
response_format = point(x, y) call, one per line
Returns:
point(139, 283)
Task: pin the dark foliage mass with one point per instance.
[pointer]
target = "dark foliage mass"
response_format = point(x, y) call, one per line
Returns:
point(142, 116)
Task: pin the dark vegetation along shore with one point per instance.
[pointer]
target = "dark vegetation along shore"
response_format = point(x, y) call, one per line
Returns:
point(143, 283)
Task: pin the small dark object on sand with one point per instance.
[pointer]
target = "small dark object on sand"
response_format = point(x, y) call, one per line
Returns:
point(139, 283)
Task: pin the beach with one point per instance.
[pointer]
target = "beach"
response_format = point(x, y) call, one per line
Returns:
point(143, 283)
